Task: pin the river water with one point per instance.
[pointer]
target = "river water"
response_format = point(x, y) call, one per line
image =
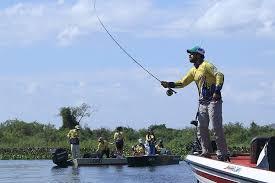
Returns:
point(34, 171)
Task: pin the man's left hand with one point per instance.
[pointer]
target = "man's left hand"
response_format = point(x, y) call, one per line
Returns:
point(216, 97)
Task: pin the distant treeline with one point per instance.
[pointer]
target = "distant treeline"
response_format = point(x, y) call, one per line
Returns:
point(22, 140)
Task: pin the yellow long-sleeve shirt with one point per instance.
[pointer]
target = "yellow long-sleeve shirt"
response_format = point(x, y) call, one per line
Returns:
point(139, 150)
point(118, 136)
point(207, 78)
point(73, 134)
point(150, 138)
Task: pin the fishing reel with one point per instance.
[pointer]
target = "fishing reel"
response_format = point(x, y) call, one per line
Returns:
point(170, 92)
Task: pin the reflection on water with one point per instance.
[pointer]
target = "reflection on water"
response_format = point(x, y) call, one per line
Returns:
point(44, 171)
point(118, 168)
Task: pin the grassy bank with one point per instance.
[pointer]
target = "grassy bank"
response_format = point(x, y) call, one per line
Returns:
point(22, 140)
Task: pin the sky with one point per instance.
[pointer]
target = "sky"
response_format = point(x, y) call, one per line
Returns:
point(54, 53)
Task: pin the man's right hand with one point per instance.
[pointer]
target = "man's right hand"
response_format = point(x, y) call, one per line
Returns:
point(165, 84)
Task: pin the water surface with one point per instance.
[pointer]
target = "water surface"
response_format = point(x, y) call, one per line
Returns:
point(33, 171)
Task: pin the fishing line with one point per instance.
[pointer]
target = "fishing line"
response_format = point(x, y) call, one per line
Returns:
point(169, 91)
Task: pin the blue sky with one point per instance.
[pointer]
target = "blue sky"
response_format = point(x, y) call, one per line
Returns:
point(54, 53)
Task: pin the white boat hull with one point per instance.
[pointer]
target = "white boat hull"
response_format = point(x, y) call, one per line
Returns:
point(209, 171)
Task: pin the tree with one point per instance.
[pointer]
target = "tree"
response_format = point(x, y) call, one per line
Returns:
point(82, 111)
point(72, 116)
point(68, 119)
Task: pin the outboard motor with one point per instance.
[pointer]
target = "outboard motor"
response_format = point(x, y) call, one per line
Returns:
point(60, 157)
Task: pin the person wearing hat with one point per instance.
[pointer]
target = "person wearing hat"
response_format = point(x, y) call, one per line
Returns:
point(73, 136)
point(159, 146)
point(209, 82)
point(139, 149)
point(119, 140)
point(103, 148)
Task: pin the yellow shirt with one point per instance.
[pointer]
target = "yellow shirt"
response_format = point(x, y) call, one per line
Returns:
point(102, 146)
point(73, 134)
point(159, 147)
point(139, 150)
point(207, 78)
point(118, 136)
point(150, 138)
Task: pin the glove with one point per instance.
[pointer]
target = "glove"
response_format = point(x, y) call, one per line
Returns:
point(167, 84)
point(216, 97)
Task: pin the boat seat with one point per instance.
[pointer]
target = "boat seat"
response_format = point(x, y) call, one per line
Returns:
point(271, 153)
point(256, 146)
point(266, 158)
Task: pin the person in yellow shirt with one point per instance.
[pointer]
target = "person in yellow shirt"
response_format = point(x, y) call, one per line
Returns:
point(209, 82)
point(73, 136)
point(103, 148)
point(119, 140)
point(139, 149)
point(151, 140)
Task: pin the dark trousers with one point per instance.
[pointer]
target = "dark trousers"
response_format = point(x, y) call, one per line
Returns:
point(106, 152)
point(152, 148)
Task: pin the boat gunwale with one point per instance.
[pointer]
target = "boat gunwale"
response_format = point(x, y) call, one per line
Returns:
point(223, 172)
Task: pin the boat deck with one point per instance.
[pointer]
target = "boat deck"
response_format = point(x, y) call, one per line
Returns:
point(242, 160)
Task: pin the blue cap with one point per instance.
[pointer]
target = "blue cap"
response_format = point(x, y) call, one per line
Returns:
point(196, 49)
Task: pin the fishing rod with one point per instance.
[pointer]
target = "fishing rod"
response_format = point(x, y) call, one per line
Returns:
point(169, 92)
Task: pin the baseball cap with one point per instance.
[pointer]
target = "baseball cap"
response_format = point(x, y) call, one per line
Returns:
point(196, 49)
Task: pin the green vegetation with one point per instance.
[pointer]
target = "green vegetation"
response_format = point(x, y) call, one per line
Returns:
point(22, 140)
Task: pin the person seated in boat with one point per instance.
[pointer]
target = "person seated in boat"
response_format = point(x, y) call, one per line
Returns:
point(73, 136)
point(139, 149)
point(160, 147)
point(119, 141)
point(151, 140)
point(103, 148)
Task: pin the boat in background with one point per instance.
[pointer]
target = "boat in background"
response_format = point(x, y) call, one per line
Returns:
point(153, 160)
point(60, 158)
point(99, 161)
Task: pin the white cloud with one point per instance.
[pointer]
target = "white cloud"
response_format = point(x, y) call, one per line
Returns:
point(123, 95)
point(68, 35)
point(249, 86)
point(32, 88)
point(29, 22)
point(60, 2)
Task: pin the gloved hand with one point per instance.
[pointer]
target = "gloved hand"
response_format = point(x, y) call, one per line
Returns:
point(167, 84)
point(216, 97)
point(164, 84)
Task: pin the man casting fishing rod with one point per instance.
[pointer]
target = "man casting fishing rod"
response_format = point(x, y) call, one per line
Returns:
point(209, 82)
